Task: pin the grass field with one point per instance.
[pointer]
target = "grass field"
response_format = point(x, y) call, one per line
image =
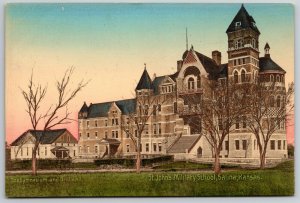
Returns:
point(275, 181)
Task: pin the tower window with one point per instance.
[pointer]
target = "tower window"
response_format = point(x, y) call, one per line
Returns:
point(272, 78)
point(243, 76)
point(236, 77)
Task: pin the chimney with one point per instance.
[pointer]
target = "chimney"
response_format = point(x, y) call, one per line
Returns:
point(216, 56)
point(154, 76)
point(179, 65)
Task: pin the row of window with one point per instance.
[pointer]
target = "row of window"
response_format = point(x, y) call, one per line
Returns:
point(167, 89)
point(115, 133)
point(272, 78)
point(28, 153)
point(279, 146)
point(236, 76)
point(240, 43)
point(114, 121)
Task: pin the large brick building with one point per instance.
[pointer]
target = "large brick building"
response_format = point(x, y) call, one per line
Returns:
point(168, 130)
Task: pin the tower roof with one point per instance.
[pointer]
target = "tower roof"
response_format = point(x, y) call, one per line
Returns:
point(267, 46)
point(245, 19)
point(267, 64)
point(145, 81)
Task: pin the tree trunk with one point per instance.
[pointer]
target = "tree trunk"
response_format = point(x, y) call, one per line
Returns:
point(34, 161)
point(217, 166)
point(263, 159)
point(138, 161)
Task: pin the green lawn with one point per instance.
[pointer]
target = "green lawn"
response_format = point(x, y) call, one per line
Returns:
point(275, 181)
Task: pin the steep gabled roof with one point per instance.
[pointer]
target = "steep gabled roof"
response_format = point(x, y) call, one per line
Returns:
point(126, 106)
point(84, 108)
point(246, 20)
point(47, 137)
point(145, 81)
point(267, 64)
point(156, 83)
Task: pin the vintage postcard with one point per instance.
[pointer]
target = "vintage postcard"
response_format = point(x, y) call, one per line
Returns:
point(149, 100)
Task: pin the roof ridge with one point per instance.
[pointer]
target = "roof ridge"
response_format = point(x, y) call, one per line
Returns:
point(112, 101)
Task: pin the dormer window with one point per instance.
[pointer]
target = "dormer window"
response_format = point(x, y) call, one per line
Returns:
point(238, 24)
point(253, 24)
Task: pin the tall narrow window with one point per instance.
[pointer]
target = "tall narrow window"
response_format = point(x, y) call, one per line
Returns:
point(96, 134)
point(175, 107)
point(272, 145)
point(244, 122)
point(154, 110)
point(272, 102)
point(220, 124)
point(278, 101)
point(236, 77)
point(96, 123)
point(198, 81)
point(237, 144)
point(279, 144)
point(272, 78)
point(237, 123)
point(277, 78)
point(243, 76)
point(159, 128)
point(244, 142)
point(45, 151)
point(191, 84)
point(154, 129)
point(226, 145)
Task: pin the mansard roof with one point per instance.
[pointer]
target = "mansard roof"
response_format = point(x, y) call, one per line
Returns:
point(246, 20)
point(126, 106)
point(48, 137)
point(267, 64)
point(145, 81)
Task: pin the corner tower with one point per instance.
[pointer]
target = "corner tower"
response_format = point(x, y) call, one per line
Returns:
point(243, 47)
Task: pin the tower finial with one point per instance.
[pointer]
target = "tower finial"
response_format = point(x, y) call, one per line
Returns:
point(186, 39)
point(145, 66)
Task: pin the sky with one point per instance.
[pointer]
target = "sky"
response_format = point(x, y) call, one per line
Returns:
point(108, 44)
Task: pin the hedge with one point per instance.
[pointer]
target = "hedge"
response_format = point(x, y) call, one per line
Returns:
point(129, 162)
point(41, 164)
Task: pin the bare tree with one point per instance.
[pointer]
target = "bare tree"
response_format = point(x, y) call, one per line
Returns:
point(270, 105)
point(135, 125)
point(221, 109)
point(34, 97)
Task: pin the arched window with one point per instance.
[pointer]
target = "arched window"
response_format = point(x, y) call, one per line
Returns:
point(198, 81)
point(272, 78)
point(277, 78)
point(282, 79)
point(243, 76)
point(272, 102)
point(236, 77)
point(191, 84)
point(278, 101)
